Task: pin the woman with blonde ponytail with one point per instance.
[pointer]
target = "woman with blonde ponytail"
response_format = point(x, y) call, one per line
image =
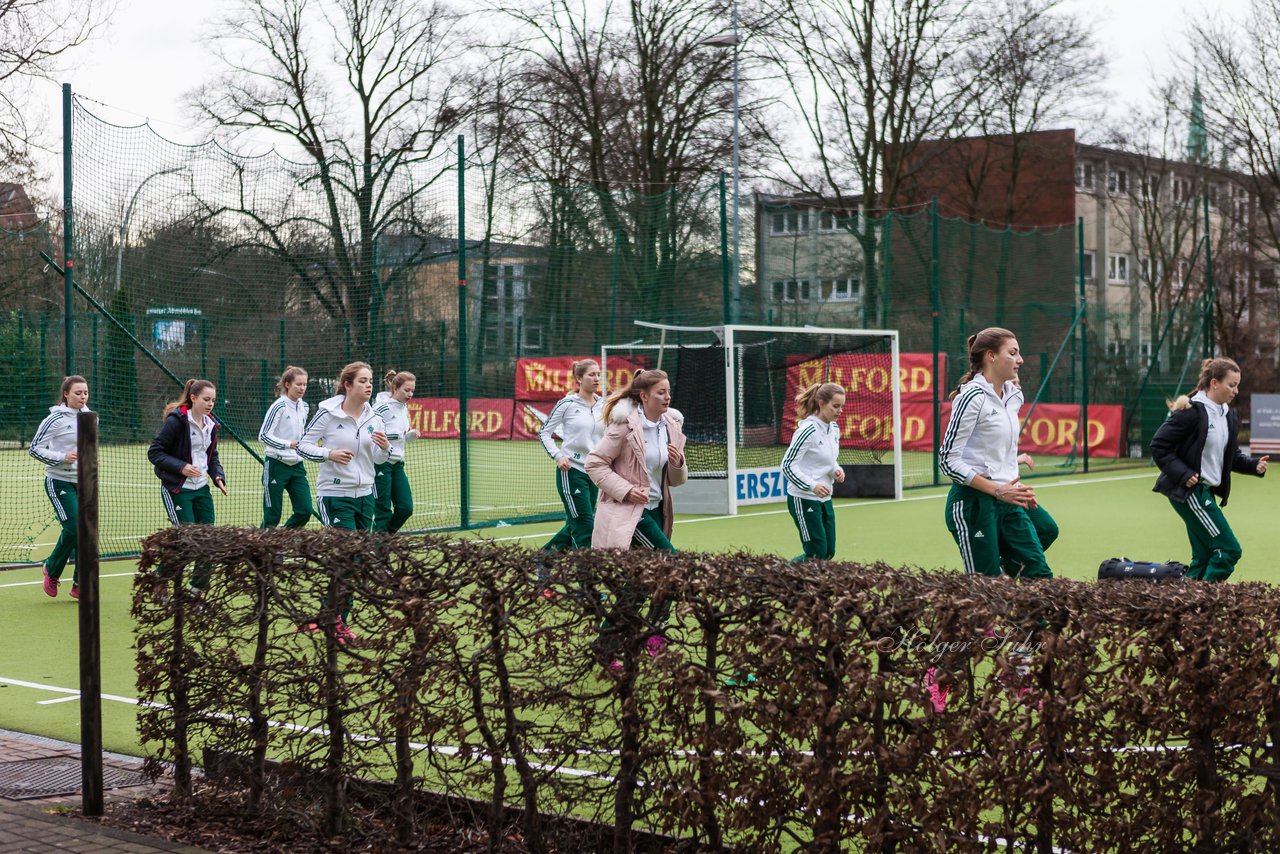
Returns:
point(811, 469)
point(1197, 449)
point(577, 420)
point(394, 501)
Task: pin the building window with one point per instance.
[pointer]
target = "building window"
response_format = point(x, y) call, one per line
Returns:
point(832, 220)
point(840, 290)
point(1211, 190)
point(790, 222)
point(1151, 188)
point(1181, 190)
point(1088, 265)
point(1084, 175)
point(791, 290)
point(1267, 276)
point(1118, 181)
point(1118, 269)
point(1151, 269)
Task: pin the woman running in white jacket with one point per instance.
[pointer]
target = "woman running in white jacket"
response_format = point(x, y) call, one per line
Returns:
point(394, 502)
point(811, 470)
point(282, 470)
point(348, 439)
point(55, 446)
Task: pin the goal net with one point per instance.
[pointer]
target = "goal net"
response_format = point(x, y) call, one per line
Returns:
point(736, 388)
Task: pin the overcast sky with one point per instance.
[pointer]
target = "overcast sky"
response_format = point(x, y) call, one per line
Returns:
point(153, 54)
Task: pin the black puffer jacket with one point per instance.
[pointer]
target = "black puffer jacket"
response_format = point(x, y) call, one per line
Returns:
point(170, 451)
point(1178, 447)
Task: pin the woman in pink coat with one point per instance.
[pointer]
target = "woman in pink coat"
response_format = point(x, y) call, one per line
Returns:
point(635, 465)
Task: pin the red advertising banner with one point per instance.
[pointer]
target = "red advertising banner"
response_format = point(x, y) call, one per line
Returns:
point(437, 417)
point(552, 378)
point(867, 374)
point(1052, 430)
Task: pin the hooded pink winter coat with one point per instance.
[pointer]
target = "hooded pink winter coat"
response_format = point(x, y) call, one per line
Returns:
point(616, 464)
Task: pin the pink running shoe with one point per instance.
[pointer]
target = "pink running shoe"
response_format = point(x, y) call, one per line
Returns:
point(50, 584)
point(937, 693)
point(655, 644)
point(344, 634)
point(75, 591)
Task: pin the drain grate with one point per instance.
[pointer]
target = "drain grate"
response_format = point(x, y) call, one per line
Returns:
point(42, 778)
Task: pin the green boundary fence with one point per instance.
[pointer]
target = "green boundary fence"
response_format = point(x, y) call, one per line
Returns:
point(192, 261)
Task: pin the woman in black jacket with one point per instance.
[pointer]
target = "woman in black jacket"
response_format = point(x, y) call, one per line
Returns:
point(185, 456)
point(1197, 450)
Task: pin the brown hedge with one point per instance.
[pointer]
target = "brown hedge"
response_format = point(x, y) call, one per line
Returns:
point(788, 710)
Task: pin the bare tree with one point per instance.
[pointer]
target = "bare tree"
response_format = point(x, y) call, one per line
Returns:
point(1159, 215)
point(868, 81)
point(366, 92)
point(1237, 61)
point(629, 102)
point(35, 36)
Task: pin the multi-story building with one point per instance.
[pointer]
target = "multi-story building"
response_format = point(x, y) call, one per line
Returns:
point(1144, 220)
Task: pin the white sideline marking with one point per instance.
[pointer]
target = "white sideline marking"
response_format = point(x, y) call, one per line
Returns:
point(874, 503)
point(41, 581)
point(75, 696)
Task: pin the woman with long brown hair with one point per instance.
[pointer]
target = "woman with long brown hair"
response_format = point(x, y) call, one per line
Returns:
point(185, 456)
point(55, 445)
point(282, 470)
point(635, 464)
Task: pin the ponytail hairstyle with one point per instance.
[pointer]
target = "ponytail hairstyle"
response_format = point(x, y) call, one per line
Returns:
point(989, 340)
point(190, 391)
point(67, 383)
point(290, 374)
point(393, 379)
point(347, 375)
point(1210, 370)
point(581, 367)
point(641, 381)
point(811, 399)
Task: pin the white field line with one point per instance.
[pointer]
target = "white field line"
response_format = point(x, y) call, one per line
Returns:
point(854, 506)
point(41, 581)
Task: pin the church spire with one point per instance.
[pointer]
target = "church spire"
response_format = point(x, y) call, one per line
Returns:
point(1197, 136)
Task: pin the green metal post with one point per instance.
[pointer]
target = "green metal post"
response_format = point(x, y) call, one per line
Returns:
point(283, 358)
point(444, 336)
point(464, 480)
point(1208, 346)
point(93, 322)
point(1083, 430)
point(885, 267)
point(613, 302)
point(933, 288)
point(68, 229)
point(726, 304)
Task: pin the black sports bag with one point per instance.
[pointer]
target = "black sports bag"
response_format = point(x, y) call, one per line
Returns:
point(1121, 568)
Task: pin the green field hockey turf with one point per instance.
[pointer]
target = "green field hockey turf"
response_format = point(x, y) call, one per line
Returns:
point(1113, 513)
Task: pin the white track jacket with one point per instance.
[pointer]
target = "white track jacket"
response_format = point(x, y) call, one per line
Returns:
point(982, 435)
point(333, 430)
point(395, 415)
point(54, 439)
point(285, 422)
point(811, 458)
point(579, 426)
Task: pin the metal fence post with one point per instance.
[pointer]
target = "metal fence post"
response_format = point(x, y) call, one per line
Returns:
point(464, 479)
point(933, 290)
point(68, 230)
